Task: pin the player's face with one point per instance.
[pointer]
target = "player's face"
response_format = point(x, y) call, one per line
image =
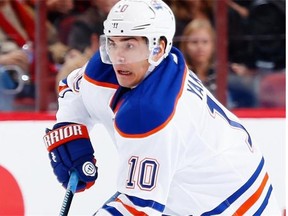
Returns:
point(126, 50)
point(129, 56)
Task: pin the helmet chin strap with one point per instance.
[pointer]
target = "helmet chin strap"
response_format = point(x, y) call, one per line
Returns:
point(150, 69)
point(155, 63)
point(152, 66)
point(154, 52)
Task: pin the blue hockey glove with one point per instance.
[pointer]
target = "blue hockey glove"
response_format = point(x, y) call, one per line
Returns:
point(70, 150)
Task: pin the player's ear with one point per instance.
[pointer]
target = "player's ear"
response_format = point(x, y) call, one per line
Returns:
point(162, 46)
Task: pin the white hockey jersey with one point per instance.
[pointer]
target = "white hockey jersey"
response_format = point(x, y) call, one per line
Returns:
point(181, 152)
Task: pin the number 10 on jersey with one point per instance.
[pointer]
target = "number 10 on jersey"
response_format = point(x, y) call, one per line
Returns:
point(143, 173)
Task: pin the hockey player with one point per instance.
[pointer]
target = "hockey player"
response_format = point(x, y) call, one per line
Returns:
point(180, 151)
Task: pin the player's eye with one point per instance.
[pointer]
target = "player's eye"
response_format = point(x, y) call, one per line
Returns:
point(130, 46)
point(111, 44)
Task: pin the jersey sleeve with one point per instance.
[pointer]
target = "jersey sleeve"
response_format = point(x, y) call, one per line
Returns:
point(71, 107)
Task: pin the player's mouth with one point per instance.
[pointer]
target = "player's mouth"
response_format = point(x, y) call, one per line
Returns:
point(124, 73)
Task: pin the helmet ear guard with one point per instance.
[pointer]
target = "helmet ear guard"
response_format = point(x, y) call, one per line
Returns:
point(156, 50)
point(152, 19)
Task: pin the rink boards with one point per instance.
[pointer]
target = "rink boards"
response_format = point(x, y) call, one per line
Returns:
point(25, 168)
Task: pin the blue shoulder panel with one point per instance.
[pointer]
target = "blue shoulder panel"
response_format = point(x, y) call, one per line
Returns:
point(149, 106)
point(99, 72)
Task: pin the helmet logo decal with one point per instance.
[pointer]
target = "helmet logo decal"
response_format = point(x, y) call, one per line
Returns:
point(156, 4)
point(156, 50)
point(115, 25)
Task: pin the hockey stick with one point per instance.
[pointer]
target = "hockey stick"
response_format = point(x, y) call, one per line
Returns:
point(71, 189)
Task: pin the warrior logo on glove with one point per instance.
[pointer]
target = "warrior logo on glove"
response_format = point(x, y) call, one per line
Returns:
point(65, 134)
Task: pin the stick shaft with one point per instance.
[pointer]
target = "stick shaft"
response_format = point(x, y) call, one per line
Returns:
point(66, 203)
point(71, 188)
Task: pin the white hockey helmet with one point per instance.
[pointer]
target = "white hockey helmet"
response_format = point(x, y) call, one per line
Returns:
point(146, 18)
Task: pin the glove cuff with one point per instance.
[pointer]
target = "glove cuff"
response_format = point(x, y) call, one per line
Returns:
point(65, 134)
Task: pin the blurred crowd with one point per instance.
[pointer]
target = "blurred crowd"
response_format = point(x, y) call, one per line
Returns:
point(256, 46)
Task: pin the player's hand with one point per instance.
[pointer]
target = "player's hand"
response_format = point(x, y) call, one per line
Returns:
point(70, 150)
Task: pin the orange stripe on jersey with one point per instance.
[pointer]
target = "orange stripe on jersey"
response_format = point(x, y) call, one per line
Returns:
point(160, 127)
point(132, 210)
point(103, 84)
point(61, 88)
point(250, 202)
point(148, 133)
